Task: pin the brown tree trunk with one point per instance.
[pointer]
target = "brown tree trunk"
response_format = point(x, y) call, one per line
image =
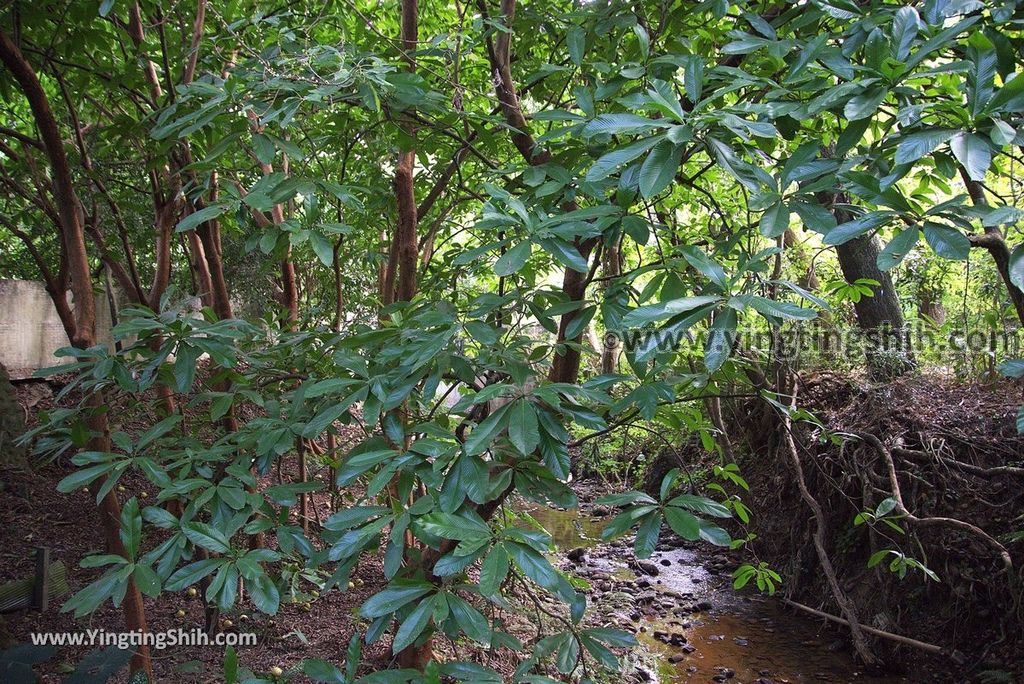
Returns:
point(565, 366)
point(880, 317)
point(82, 332)
point(201, 269)
point(994, 243)
point(611, 346)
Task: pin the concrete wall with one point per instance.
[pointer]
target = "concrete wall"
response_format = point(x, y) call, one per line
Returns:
point(31, 331)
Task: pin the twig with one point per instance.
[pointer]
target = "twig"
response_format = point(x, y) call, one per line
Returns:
point(953, 655)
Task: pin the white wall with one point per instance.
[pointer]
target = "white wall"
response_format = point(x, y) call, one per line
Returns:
point(30, 330)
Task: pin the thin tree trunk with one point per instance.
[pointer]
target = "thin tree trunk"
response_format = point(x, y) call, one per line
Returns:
point(565, 366)
point(611, 347)
point(82, 332)
point(994, 243)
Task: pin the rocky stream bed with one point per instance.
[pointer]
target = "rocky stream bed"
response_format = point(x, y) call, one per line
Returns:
point(691, 624)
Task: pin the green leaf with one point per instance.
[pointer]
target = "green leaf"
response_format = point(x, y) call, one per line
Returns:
point(146, 580)
point(511, 261)
point(659, 168)
point(973, 153)
point(493, 570)
point(775, 220)
point(576, 41)
point(947, 242)
point(714, 534)
point(1016, 267)
point(898, 248)
point(194, 219)
point(720, 341)
point(481, 436)
point(82, 477)
point(693, 77)
point(845, 232)
point(621, 123)
point(469, 619)
point(323, 671)
point(193, 572)
point(913, 146)
point(265, 595)
point(701, 504)
point(610, 162)
point(566, 254)
point(647, 535)
point(685, 524)
point(1012, 368)
point(264, 148)
point(905, 27)
point(323, 248)
point(865, 104)
point(413, 625)
point(658, 312)
point(523, 431)
point(396, 595)
point(206, 536)
point(776, 309)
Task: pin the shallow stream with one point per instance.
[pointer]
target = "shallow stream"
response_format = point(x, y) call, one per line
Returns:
point(697, 627)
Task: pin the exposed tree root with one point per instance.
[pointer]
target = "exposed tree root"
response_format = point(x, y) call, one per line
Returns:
point(845, 605)
point(953, 655)
point(912, 519)
point(928, 457)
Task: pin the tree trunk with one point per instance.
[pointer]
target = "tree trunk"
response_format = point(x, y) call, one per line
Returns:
point(565, 366)
point(879, 317)
point(611, 346)
point(994, 243)
point(82, 332)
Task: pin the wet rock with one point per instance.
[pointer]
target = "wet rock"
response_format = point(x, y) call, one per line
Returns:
point(648, 567)
point(688, 648)
point(676, 658)
point(740, 641)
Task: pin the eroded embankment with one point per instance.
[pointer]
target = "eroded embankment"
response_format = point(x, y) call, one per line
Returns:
point(951, 456)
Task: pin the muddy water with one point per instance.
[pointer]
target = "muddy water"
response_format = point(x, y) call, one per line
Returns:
point(698, 628)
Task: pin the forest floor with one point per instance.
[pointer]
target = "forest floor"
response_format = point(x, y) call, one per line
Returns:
point(691, 624)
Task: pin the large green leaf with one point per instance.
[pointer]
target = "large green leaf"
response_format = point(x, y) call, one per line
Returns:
point(653, 313)
point(394, 596)
point(523, 430)
point(612, 161)
point(659, 169)
point(913, 146)
point(947, 242)
point(898, 248)
point(973, 153)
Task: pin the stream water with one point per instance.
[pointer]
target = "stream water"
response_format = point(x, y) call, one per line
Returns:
point(698, 628)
